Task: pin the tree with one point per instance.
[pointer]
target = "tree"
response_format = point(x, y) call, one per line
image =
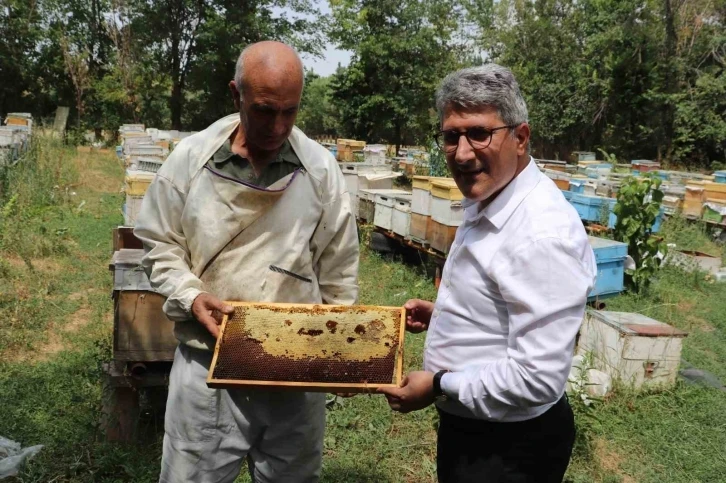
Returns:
point(401, 51)
point(318, 115)
point(170, 28)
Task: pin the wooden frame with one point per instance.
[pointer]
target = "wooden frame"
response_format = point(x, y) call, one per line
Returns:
point(307, 386)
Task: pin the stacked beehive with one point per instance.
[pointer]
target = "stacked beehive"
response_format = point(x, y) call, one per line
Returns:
point(14, 137)
point(348, 148)
point(447, 213)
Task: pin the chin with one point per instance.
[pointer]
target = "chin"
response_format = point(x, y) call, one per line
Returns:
point(474, 190)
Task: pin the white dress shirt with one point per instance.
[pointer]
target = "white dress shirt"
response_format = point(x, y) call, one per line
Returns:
point(511, 301)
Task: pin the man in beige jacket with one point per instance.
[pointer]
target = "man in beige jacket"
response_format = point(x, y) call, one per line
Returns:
point(249, 209)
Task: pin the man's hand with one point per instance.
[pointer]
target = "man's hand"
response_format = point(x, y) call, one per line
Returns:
point(418, 315)
point(417, 392)
point(208, 310)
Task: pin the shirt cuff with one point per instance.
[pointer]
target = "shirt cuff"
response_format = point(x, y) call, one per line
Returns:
point(450, 383)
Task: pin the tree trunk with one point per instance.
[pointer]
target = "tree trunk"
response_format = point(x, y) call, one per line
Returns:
point(671, 41)
point(175, 102)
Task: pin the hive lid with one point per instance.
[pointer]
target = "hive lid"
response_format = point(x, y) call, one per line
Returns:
point(305, 347)
point(636, 324)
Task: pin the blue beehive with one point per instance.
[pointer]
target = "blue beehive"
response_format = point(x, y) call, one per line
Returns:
point(567, 194)
point(610, 257)
point(577, 186)
point(719, 176)
point(589, 207)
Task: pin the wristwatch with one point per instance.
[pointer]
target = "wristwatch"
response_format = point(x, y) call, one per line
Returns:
point(438, 393)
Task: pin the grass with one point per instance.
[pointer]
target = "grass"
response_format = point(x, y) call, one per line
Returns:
point(55, 331)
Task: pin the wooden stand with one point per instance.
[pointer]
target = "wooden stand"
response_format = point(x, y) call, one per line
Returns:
point(121, 396)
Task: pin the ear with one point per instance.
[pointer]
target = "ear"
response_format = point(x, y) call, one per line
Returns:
point(235, 95)
point(522, 133)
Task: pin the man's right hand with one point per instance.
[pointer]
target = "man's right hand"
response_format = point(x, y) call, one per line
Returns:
point(208, 310)
point(418, 315)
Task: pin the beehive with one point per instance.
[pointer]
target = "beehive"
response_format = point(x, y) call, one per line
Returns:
point(301, 347)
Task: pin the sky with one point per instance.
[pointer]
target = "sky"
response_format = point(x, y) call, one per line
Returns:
point(326, 65)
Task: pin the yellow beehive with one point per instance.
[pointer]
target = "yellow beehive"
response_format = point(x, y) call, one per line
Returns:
point(138, 182)
point(17, 121)
point(421, 183)
point(346, 148)
point(693, 199)
point(715, 191)
point(309, 347)
point(445, 188)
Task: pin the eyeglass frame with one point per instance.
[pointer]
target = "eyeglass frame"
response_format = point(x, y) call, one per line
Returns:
point(465, 133)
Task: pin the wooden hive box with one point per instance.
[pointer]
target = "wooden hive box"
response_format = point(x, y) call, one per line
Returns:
point(634, 349)
point(715, 191)
point(142, 332)
point(445, 188)
point(137, 182)
point(320, 348)
point(693, 200)
point(421, 229)
point(442, 237)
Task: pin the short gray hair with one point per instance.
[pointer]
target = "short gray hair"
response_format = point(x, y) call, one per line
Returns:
point(488, 85)
point(240, 67)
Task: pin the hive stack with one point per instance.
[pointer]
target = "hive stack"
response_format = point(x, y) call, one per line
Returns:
point(15, 136)
point(348, 148)
point(447, 213)
point(421, 228)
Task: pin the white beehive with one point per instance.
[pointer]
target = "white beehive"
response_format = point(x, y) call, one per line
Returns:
point(634, 349)
point(383, 216)
point(401, 220)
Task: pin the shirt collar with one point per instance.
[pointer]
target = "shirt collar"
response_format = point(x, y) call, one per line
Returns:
point(502, 207)
point(224, 153)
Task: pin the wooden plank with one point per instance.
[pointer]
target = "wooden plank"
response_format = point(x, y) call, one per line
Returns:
point(142, 329)
point(123, 237)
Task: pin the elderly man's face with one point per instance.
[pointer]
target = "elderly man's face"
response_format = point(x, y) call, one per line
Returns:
point(268, 109)
point(481, 173)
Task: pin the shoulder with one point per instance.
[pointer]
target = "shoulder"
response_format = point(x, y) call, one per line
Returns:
point(192, 152)
point(320, 165)
point(545, 217)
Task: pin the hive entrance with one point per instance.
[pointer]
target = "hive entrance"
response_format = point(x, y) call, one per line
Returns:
point(309, 347)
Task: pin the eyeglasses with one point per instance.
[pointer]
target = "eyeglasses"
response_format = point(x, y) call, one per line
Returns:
point(479, 138)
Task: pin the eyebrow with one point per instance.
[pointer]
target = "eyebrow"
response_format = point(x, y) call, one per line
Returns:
point(271, 108)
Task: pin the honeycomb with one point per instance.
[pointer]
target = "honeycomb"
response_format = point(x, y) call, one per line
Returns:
point(309, 344)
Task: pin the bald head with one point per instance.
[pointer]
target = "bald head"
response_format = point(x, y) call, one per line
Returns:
point(268, 61)
point(267, 89)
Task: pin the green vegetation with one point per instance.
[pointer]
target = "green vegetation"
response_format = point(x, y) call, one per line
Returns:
point(55, 328)
point(641, 79)
point(637, 208)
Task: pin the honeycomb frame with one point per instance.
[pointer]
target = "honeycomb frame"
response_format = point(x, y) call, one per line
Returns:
point(347, 349)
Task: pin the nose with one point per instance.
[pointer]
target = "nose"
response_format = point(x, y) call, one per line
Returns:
point(280, 125)
point(464, 152)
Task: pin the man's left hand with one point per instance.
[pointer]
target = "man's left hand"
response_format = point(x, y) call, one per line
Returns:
point(416, 392)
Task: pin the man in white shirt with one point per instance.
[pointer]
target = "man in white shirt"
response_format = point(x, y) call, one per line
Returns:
point(501, 334)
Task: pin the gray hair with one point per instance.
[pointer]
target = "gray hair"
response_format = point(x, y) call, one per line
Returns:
point(239, 68)
point(488, 85)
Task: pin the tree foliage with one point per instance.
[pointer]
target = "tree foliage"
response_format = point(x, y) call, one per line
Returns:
point(642, 78)
point(401, 50)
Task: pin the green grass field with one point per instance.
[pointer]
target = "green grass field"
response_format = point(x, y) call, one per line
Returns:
point(57, 210)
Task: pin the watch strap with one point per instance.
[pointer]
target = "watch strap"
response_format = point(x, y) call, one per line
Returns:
point(437, 383)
